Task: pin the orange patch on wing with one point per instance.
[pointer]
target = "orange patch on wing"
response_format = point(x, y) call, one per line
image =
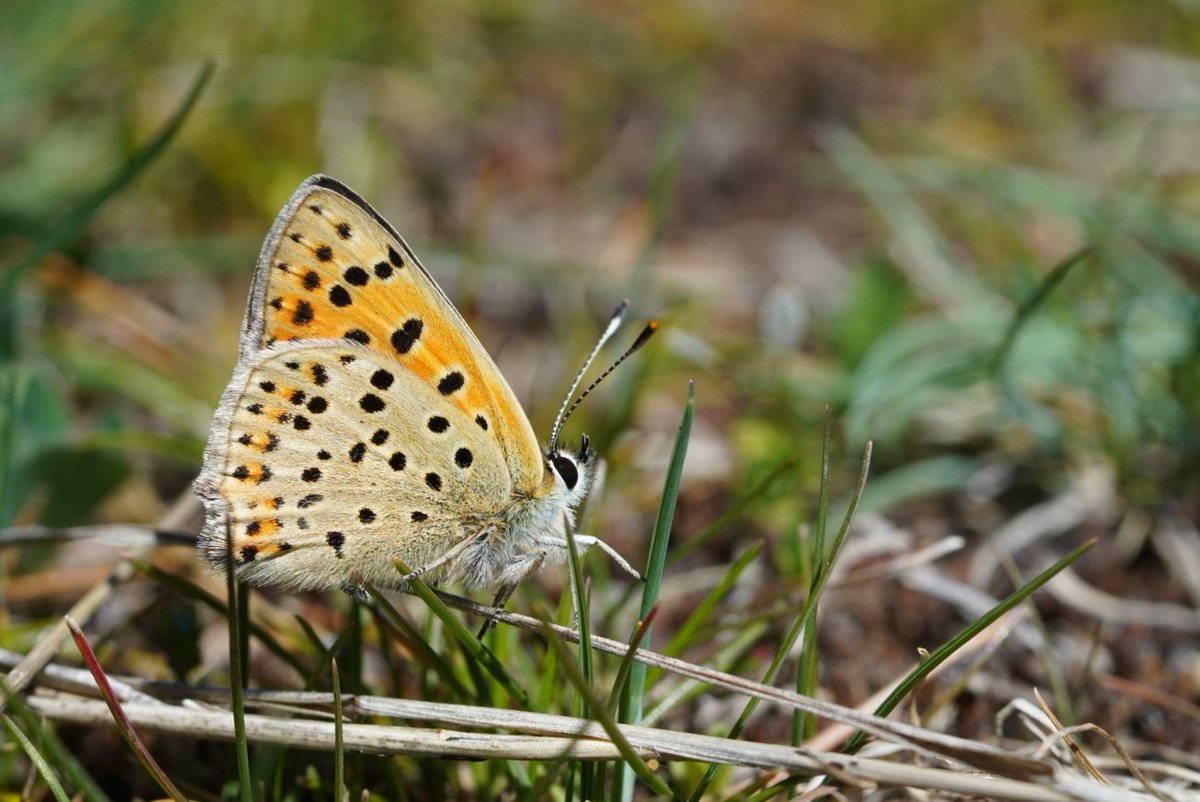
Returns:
point(250, 472)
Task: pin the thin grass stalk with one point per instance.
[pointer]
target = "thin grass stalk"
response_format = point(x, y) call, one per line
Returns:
point(732, 513)
point(630, 755)
point(339, 746)
point(118, 713)
point(804, 724)
point(586, 771)
point(475, 649)
point(425, 654)
point(241, 746)
point(820, 579)
point(44, 769)
point(940, 655)
point(633, 696)
point(71, 226)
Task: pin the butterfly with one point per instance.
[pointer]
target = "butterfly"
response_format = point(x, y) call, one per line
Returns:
point(366, 425)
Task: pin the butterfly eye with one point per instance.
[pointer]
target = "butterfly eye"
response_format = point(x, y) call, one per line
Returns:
point(565, 467)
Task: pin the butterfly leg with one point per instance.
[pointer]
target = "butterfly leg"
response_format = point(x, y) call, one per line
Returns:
point(534, 561)
point(450, 556)
point(587, 541)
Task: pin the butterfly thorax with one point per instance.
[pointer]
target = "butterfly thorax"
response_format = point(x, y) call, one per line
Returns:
point(531, 529)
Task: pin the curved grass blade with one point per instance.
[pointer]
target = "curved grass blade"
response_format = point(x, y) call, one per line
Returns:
point(939, 656)
point(806, 672)
point(820, 578)
point(575, 676)
point(68, 229)
point(118, 713)
point(466, 638)
point(633, 695)
point(38, 760)
point(583, 622)
point(1030, 305)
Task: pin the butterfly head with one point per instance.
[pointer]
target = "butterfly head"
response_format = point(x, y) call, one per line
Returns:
point(572, 470)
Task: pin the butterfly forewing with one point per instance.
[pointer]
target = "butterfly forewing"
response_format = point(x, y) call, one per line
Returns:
point(333, 268)
point(364, 421)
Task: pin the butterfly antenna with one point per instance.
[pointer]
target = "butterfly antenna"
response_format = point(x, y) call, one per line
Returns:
point(614, 323)
point(646, 334)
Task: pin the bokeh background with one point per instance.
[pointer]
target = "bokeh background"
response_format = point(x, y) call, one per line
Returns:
point(968, 229)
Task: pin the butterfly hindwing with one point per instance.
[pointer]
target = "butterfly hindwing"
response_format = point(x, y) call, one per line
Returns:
point(338, 461)
point(333, 268)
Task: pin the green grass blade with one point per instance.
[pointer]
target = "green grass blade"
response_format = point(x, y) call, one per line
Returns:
point(339, 748)
point(731, 514)
point(39, 761)
point(806, 673)
point(58, 753)
point(1031, 304)
point(241, 743)
point(575, 676)
point(424, 653)
point(68, 229)
point(939, 656)
point(579, 596)
point(821, 576)
point(633, 696)
point(482, 656)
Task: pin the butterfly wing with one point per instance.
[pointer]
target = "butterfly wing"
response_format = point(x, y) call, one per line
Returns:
point(334, 280)
point(329, 467)
point(333, 267)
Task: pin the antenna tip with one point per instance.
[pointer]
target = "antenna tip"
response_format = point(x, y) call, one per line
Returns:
point(646, 334)
point(619, 312)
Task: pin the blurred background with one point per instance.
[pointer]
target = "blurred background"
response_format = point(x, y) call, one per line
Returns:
point(968, 229)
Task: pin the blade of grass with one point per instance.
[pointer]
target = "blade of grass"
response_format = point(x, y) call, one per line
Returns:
point(939, 656)
point(803, 723)
point(118, 713)
point(699, 617)
point(627, 662)
point(60, 756)
point(821, 576)
point(68, 229)
point(14, 385)
point(241, 744)
point(339, 747)
point(1030, 305)
point(633, 696)
point(575, 676)
point(49, 776)
point(583, 622)
point(199, 594)
point(474, 648)
point(424, 653)
point(731, 514)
